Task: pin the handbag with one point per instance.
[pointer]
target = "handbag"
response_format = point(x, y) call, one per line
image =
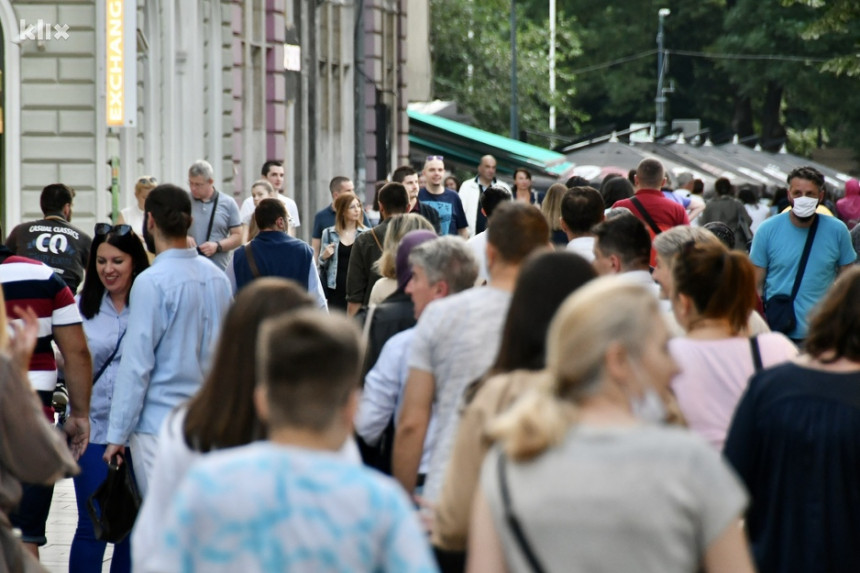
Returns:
point(779, 309)
point(114, 505)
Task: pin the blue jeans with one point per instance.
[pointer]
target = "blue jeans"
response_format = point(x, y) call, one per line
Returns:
point(87, 553)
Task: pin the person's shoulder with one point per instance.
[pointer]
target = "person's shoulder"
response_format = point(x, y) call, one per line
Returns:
point(772, 223)
point(833, 224)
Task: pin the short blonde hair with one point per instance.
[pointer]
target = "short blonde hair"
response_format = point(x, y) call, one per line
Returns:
point(551, 206)
point(604, 311)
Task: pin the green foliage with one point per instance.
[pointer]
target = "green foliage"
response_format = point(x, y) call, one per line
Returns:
point(477, 33)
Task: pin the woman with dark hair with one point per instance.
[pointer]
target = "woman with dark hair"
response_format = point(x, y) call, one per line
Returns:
point(713, 294)
point(221, 415)
point(523, 187)
point(116, 258)
point(794, 443)
point(726, 209)
point(615, 189)
point(336, 246)
point(544, 282)
point(757, 210)
point(451, 182)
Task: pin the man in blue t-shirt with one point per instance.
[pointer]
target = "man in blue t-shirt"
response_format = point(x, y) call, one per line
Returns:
point(778, 245)
point(446, 201)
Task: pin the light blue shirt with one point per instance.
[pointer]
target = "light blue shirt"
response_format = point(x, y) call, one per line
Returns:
point(103, 331)
point(177, 306)
point(269, 507)
point(382, 396)
point(777, 247)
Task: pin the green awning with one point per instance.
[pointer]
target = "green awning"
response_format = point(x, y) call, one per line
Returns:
point(465, 145)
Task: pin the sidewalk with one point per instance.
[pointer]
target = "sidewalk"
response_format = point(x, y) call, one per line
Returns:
point(61, 528)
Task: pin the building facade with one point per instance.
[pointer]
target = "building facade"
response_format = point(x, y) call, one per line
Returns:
point(234, 82)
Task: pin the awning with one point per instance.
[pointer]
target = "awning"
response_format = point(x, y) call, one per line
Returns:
point(463, 146)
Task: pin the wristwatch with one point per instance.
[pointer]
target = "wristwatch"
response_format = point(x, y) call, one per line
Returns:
point(218, 248)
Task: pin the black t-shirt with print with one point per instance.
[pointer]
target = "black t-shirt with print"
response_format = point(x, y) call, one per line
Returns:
point(56, 243)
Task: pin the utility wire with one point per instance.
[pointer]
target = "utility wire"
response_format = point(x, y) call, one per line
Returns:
point(759, 57)
point(709, 55)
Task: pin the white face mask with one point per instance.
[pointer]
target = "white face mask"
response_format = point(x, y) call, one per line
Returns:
point(649, 407)
point(804, 207)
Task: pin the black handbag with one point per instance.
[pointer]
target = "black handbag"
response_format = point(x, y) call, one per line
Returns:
point(779, 309)
point(114, 505)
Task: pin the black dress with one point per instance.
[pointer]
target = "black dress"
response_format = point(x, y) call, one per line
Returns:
point(795, 442)
point(337, 297)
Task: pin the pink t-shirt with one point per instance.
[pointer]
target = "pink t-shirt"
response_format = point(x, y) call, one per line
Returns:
point(714, 375)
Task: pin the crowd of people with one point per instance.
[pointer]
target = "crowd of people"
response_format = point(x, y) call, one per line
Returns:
point(612, 377)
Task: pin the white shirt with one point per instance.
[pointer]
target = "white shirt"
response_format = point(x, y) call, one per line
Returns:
point(247, 210)
point(582, 246)
point(478, 244)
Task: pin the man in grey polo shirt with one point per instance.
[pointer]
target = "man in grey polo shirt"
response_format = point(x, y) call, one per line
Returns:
point(216, 228)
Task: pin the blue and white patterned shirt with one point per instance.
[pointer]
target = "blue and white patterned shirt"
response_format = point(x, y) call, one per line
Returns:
point(270, 507)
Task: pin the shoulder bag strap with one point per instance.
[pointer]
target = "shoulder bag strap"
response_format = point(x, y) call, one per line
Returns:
point(109, 359)
point(252, 262)
point(212, 217)
point(375, 238)
point(513, 522)
point(756, 354)
point(641, 208)
point(805, 256)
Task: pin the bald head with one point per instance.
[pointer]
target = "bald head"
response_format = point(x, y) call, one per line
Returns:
point(650, 174)
point(487, 169)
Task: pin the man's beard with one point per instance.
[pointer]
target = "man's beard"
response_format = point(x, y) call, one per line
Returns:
point(147, 238)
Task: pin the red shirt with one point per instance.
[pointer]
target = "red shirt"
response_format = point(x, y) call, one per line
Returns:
point(665, 212)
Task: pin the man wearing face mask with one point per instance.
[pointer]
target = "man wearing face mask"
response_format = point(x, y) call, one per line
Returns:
point(778, 247)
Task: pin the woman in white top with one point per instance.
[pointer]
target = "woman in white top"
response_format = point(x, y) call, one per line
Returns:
point(585, 478)
point(133, 214)
point(713, 295)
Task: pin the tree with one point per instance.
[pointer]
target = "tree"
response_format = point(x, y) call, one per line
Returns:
point(472, 63)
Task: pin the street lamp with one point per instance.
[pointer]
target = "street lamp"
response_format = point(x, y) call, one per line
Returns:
point(660, 99)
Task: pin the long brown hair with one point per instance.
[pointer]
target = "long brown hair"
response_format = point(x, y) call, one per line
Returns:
point(341, 206)
point(222, 414)
point(721, 283)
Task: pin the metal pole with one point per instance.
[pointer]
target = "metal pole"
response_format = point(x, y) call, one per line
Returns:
point(515, 129)
point(552, 66)
point(660, 99)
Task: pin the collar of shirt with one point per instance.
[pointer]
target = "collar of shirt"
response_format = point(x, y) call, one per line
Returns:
point(481, 187)
point(176, 254)
point(209, 200)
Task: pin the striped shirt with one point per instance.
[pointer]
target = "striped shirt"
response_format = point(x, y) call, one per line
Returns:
point(27, 282)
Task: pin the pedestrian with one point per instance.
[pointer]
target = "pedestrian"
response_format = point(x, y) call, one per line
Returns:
point(133, 214)
point(400, 225)
point(216, 228)
point(53, 239)
point(793, 441)
point(523, 187)
point(174, 319)
point(712, 297)
point(305, 509)
point(584, 466)
point(31, 450)
point(222, 414)
point(117, 259)
point(551, 209)
point(336, 248)
point(261, 189)
point(725, 208)
point(544, 283)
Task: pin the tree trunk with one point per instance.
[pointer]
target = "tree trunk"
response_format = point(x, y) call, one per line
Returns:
point(742, 121)
point(772, 131)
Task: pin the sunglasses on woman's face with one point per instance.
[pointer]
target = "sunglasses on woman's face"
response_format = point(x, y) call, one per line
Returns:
point(105, 228)
point(147, 181)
